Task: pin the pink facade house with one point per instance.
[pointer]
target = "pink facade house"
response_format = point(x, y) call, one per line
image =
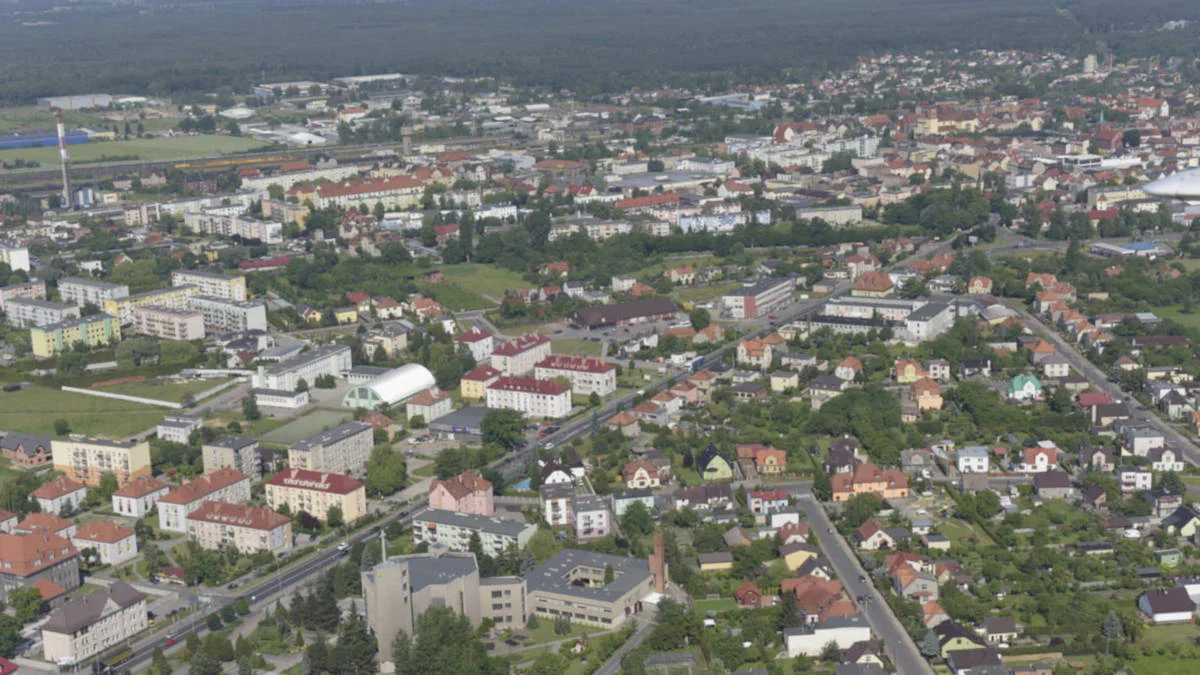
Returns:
point(468, 492)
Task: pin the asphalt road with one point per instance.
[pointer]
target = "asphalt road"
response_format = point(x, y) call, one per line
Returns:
point(1098, 379)
point(884, 624)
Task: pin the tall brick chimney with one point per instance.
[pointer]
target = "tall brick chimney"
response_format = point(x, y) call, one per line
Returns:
point(658, 564)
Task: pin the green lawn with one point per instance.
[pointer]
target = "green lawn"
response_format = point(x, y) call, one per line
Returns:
point(313, 423)
point(696, 294)
point(33, 118)
point(425, 471)
point(959, 533)
point(576, 347)
point(483, 279)
point(1158, 636)
point(718, 605)
point(253, 429)
point(182, 147)
point(35, 409)
point(545, 632)
point(456, 298)
point(1175, 313)
point(165, 390)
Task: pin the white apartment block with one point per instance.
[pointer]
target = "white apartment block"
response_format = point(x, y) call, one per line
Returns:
point(84, 291)
point(531, 397)
point(249, 529)
point(114, 543)
point(480, 342)
point(140, 496)
point(325, 360)
point(26, 312)
point(178, 428)
point(234, 225)
point(16, 257)
point(212, 284)
point(519, 356)
point(586, 375)
point(168, 324)
point(453, 531)
point(226, 485)
point(343, 449)
point(230, 315)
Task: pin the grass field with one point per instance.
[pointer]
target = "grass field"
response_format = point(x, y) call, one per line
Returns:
point(34, 410)
point(456, 298)
point(148, 149)
point(1175, 313)
point(1158, 636)
point(484, 280)
point(718, 605)
point(703, 293)
point(165, 390)
point(32, 118)
point(576, 347)
point(312, 423)
point(959, 533)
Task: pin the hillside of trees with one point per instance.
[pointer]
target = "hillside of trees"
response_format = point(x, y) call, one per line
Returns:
point(161, 49)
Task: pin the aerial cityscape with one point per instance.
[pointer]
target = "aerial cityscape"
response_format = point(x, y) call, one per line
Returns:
point(628, 338)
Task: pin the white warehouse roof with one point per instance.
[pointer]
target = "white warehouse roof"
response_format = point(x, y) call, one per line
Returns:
point(390, 388)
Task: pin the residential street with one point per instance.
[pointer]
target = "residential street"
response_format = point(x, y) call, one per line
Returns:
point(1100, 382)
point(896, 642)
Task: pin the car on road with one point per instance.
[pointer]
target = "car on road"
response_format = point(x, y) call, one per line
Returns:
point(343, 547)
point(233, 585)
point(862, 579)
point(403, 514)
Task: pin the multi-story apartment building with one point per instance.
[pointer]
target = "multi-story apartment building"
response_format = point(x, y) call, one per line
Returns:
point(87, 626)
point(249, 529)
point(176, 297)
point(529, 396)
point(324, 360)
point(168, 324)
point(479, 341)
point(97, 330)
point(758, 300)
point(114, 543)
point(342, 449)
point(87, 459)
point(230, 315)
point(233, 452)
point(226, 485)
point(593, 518)
point(473, 385)
point(30, 558)
point(26, 312)
point(519, 356)
point(32, 290)
point(80, 292)
point(139, 496)
point(396, 192)
point(586, 375)
point(234, 225)
point(401, 588)
point(453, 531)
point(315, 493)
point(213, 284)
point(16, 257)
